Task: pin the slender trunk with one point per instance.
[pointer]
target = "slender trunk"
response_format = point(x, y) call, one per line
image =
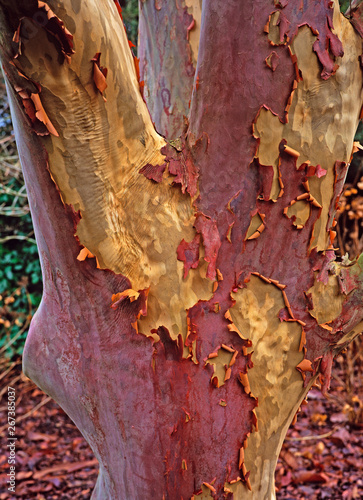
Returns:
point(191, 296)
point(168, 51)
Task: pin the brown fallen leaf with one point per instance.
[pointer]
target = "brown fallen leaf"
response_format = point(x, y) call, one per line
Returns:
point(310, 476)
point(286, 479)
point(351, 493)
point(23, 475)
point(290, 459)
point(38, 436)
point(340, 437)
point(338, 418)
point(55, 480)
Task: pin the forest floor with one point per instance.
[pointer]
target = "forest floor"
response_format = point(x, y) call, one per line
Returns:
point(320, 459)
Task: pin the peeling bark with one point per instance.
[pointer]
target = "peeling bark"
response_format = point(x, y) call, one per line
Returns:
point(191, 294)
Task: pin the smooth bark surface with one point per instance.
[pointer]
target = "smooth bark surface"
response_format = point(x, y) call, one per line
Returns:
point(168, 51)
point(191, 294)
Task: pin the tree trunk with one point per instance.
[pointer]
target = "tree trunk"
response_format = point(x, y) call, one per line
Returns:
point(168, 50)
point(191, 293)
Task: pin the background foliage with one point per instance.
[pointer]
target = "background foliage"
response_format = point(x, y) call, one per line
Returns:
point(20, 275)
point(130, 16)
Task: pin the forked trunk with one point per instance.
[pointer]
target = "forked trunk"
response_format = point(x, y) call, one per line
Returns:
point(191, 294)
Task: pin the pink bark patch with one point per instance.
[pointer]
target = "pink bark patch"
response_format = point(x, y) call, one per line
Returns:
point(181, 163)
point(341, 169)
point(189, 254)
point(211, 241)
point(335, 45)
point(320, 19)
point(324, 267)
point(325, 371)
point(325, 59)
point(153, 172)
point(186, 174)
point(284, 24)
point(347, 282)
point(356, 18)
point(267, 176)
point(190, 27)
point(320, 171)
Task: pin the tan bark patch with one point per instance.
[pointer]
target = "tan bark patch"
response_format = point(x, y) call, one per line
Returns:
point(195, 9)
point(221, 365)
point(256, 227)
point(327, 300)
point(322, 118)
point(269, 130)
point(274, 30)
point(301, 211)
point(274, 379)
point(131, 224)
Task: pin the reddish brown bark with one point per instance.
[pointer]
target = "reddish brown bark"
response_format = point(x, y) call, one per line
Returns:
point(167, 61)
point(240, 201)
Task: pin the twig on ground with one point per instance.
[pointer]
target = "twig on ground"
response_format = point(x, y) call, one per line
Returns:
point(31, 412)
point(310, 438)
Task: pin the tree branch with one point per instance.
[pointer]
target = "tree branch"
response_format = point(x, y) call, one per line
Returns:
point(168, 50)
